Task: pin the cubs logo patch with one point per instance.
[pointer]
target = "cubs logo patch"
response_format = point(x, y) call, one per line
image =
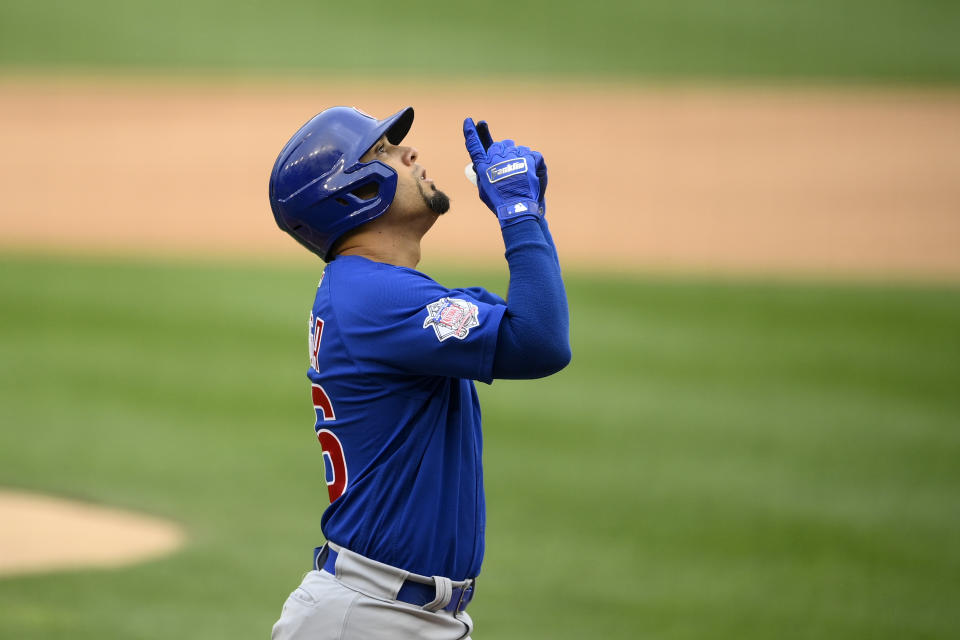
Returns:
point(507, 168)
point(452, 318)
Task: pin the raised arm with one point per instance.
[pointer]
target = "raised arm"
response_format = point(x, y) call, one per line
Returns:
point(533, 339)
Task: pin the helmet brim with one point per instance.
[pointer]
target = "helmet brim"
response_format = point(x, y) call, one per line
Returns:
point(396, 127)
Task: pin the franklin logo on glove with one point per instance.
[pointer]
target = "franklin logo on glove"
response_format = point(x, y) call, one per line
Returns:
point(506, 169)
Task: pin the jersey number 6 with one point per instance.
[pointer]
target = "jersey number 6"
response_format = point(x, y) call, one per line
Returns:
point(334, 461)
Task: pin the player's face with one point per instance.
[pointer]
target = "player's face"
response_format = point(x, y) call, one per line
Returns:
point(414, 189)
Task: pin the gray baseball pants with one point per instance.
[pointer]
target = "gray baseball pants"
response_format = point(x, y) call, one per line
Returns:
point(359, 603)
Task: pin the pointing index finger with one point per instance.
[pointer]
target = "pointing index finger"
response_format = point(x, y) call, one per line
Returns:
point(483, 130)
point(472, 140)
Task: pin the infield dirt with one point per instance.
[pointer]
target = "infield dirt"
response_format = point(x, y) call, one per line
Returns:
point(41, 533)
point(861, 182)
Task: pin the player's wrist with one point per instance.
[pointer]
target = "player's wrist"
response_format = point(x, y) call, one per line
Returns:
point(518, 210)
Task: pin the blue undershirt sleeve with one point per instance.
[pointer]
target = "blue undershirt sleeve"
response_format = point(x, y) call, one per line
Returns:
point(545, 228)
point(534, 335)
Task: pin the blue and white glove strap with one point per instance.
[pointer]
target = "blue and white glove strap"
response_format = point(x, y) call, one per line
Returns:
point(517, 211)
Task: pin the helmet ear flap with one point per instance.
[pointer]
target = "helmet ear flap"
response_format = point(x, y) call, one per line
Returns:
point(348, 209)
point(358, 197)
point(366, 191)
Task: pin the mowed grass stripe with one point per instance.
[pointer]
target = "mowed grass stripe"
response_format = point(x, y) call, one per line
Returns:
point(896, 40)
point(721, 459)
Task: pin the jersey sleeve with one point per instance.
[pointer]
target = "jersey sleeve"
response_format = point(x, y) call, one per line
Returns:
point(481, 294)
point(396, 320)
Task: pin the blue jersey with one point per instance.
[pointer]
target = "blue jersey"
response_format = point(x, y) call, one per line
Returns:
point(393, 356)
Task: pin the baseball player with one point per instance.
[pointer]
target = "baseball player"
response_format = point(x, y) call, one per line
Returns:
point(393, 357)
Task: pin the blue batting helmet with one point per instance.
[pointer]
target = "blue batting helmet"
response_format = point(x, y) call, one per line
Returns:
point(319, 189)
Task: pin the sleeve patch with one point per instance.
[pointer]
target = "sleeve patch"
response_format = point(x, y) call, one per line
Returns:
point(452, 318)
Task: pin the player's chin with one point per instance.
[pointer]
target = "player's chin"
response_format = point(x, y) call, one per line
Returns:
point(436, 200)
point(439, 202)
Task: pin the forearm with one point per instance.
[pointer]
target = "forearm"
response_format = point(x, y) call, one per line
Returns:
point(534, 339)
point(545, 228)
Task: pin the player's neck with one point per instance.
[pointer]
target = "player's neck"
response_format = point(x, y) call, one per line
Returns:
point(399, 256)
point(384, 240)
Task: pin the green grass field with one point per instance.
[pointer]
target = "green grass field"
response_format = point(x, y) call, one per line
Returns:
point(720, 460)
point(823, 40)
